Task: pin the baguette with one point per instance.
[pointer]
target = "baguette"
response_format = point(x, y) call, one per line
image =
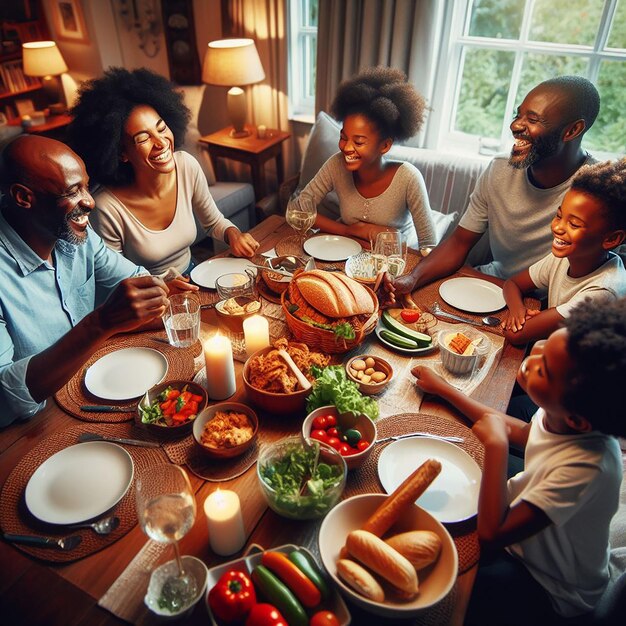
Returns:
point(419, 547)
point(381, 558)
point(360, 580)
point(402, 498)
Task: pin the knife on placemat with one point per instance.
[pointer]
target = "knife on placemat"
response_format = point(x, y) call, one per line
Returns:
point(107, 408)
point(60, 543)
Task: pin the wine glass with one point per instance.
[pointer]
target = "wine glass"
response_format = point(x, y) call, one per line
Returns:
point(390, 252)
point(166, 509)
point(300, 215)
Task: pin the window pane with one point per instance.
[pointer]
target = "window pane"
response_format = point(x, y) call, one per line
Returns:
point(566, 21)
point(609, 131)
point(539, 67)
point(310, 13)
point(496, 18)
point(617, 38)
point(484, 88)
point(311, 50)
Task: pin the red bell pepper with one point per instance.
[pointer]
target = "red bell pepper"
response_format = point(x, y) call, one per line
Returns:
point(232, 597)
point(265, 615)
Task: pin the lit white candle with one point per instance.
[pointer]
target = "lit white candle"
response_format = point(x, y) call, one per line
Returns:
point(256, 331)
point(220, 369)
point(223, 514)
point(261, 131)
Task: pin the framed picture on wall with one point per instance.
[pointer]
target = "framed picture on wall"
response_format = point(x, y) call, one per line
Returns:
point(69, 22)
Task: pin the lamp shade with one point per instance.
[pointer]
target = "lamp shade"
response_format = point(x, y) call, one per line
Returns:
point(230, 62)
point(42, 58)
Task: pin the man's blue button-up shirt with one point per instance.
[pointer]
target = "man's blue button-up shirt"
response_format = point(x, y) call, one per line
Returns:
point(40, 302)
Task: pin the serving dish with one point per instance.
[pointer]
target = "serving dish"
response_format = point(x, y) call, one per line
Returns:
point(411, 351)
point(462, 364)
point(371, 386)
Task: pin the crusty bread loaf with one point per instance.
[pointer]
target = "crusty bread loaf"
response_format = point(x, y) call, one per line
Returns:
point(360, 580)
point(320, 295)
point(381, 558)
point(419, 547)
point(362, 299)
point(345, 300)
point(403, 497)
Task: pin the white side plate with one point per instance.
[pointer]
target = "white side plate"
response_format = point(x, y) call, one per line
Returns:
point(206, 273)
point(79, 483)
point(331, 247)
point(453, 495)
point(126, 374)
point(472, 294)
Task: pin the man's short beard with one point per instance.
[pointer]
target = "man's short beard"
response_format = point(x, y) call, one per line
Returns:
point(540, 148)
point(67, 233)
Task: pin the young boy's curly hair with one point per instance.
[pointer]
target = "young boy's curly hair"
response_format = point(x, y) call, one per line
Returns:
point(384, 96)
point(101, 111)
point(607, 182)
point(597, 345)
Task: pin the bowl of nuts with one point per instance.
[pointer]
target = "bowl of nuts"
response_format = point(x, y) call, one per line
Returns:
point(371, 373)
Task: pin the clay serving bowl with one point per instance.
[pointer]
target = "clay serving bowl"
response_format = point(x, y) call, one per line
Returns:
point(371, 386)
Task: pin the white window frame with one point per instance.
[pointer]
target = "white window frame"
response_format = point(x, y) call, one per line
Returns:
point(457, 19)
point(301, 105)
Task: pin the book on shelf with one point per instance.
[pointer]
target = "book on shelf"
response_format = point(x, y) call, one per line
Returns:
point(13, 78)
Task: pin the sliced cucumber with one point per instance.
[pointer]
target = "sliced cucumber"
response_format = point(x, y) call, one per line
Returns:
point(398, 328)
point(398, 340)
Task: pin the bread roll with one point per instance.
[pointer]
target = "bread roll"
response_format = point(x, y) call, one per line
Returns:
point(403, 497)
point(381, 558)
point(419, 547)
point(360, 580)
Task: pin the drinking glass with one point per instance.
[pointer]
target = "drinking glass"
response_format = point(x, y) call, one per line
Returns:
point(166, 509)
point(182, 320)
point(390, 252)
point(300, 215)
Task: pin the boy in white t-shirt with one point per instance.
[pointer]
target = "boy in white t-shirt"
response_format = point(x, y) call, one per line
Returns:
point(544, 533)
point(590, 222)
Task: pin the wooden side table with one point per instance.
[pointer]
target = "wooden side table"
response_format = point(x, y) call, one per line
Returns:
point(251, 150)
point(54, 126)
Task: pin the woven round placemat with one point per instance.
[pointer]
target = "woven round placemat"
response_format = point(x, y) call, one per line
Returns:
point(365, 479)
point(73, 395)
point(15, 517)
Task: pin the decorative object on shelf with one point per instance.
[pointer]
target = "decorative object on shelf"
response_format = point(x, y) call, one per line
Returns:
point(69, 23)
point(142, 17)
point(233, 63)
point(43, 59)
point(180, 41)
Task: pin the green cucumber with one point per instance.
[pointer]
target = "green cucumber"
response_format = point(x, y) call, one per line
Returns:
point(311, 570)
point(398, 340)
point(278, 594)
point(398, 328)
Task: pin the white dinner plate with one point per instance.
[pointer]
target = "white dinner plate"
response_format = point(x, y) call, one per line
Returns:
point(125, 374)
point(415, 351)
point(331, 247)
point(79, 483)
point(206, 273)
point(472, 294)
point(453, 495)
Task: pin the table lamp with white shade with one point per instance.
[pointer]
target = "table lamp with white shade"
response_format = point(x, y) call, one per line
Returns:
point(43, 59)
point(233, 63)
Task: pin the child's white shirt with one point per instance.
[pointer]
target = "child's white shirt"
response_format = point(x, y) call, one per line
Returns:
point(575, 481)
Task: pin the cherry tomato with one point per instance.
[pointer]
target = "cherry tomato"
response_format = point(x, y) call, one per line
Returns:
point(324, 618)
point(334, 442)
point(332, 432)
point(410, 315)
point(320, 422)
point(331, 420)
point(362, 445)
point(320, 435)
point(345, 450)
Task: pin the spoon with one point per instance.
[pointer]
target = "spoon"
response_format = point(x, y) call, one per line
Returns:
point(489, 320)
point(103, 526)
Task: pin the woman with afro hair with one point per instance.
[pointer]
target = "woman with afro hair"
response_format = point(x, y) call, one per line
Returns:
point(126, 128)
point(377, 107)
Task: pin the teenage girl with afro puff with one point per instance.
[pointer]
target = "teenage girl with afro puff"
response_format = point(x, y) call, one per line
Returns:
point(377, 107)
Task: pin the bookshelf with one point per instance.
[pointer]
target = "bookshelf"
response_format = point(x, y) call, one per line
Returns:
point(16, 89)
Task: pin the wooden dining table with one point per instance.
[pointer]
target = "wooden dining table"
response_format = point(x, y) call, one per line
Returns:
point(36, 592)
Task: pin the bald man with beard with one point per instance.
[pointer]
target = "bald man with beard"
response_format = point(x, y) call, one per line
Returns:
point(518, 194)
point(64, 293)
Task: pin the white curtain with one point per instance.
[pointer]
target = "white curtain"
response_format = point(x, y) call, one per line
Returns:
point(356, 34)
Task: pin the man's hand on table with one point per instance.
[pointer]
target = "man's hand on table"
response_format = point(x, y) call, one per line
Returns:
point(133, 303)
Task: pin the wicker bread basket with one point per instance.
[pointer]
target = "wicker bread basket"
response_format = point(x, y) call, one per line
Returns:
point(326, 340)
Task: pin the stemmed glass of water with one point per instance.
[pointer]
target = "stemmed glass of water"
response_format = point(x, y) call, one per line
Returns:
point(390, 252)
point(166, 509)
point(300, 215)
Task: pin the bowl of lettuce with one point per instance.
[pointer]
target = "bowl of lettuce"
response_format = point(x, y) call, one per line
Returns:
point(301, 479)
